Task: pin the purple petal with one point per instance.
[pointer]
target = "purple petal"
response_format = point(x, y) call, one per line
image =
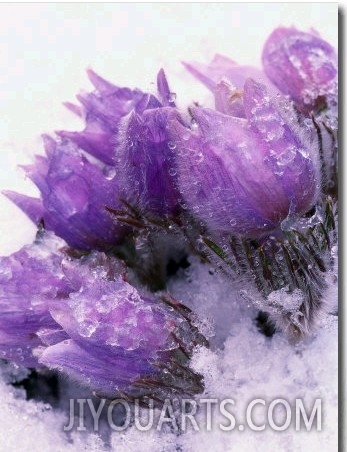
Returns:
point(51, 336)
point(29, 279)
point(18, 339)
point(76, 109)
point(166, 96)
point(100, 144)
point(32, 207)
point(102, 85)
point(229, 193)
point(110, 312)
point(109, 108)
point(104, 370)
point(212, 73)
point(229, 100)
point(145, 162)
point(291, 154)
point(103, 109)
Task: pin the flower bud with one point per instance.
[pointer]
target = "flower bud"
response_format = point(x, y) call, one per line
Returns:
point(121, 341)
point(246, 175)
point(79, 316)
point(74, 196)
point(303, 66)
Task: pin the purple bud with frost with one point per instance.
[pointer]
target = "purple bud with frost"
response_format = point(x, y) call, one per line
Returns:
point(245, 175)
point(80, 317)
point(74, 195)
point(302, 65)
point(120, 340)
point(126, 130)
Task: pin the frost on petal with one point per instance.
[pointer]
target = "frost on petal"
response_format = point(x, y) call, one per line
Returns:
point(219, 177)
point(301, 65)
point(106, 310)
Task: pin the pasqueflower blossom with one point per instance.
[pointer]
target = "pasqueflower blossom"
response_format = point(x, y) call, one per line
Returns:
point(74, 195)
point(80, 317)
point(302, 65)
point(120, 340)
point(245, 175)
point(126, 131)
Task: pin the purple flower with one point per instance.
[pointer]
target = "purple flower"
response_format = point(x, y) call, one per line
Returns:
point(118, 339)
point(302, 65)
point(74, 197)
point(80, 317)
point(126, 130)
point(245, 175)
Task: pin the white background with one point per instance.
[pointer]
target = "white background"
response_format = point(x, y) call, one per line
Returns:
point(45, 49)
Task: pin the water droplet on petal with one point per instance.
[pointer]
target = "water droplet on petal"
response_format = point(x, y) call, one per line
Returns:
point(109, 172)
point(287, 156)
point(172, 172)
point(194, 124)
point(172, 97)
